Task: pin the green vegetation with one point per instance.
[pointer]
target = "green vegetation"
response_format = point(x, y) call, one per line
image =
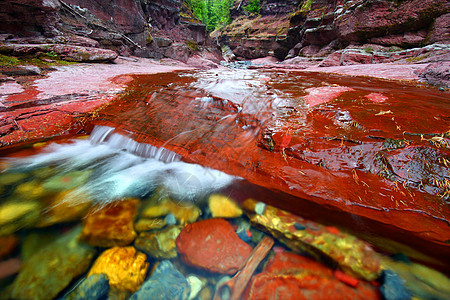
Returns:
point(8, 61)
point(253, 7)
point(45, 59)
point(306, 7)
point(212, 13)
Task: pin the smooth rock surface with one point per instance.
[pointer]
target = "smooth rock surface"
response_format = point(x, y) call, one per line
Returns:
point(159, 244)
point(125, 268)
point(52, 268)
point(222, 206)
point(291, 276)
point(165, 282)
point(212, 245)
point(352, 255)
point(111, 225)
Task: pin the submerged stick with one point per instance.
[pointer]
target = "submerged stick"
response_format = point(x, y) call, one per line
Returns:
point(238, 283)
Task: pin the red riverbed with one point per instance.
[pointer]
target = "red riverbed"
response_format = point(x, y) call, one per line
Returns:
point(372, 155)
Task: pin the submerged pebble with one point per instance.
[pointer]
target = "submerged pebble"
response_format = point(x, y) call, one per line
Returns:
point(125, 267)
point(111, 225)
point(166, 282)
point(52, 268)
point(159, 244)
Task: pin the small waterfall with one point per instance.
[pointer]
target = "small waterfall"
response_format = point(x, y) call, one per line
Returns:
point(120, 167)
point(106, 135)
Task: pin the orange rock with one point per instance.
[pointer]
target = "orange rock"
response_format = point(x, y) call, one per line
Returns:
point(125, 267)
point(111, 225)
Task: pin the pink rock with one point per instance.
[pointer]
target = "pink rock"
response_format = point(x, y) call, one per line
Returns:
point(319, 95)
point(213, 245)
point(355, 57)
point(9, 267)
point(377, 97)
point(332, 60)
point(440, 33)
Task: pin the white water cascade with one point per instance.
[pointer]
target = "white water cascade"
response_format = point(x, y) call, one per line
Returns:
point(121, 167)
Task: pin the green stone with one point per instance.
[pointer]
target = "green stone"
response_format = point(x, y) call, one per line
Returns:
point(66, 181)
point(421, 281)
point(159, 244)
point(12, 178)
point(46, 273)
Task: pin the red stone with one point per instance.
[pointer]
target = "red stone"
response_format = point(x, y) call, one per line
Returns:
point(345, 278)
point(7, 245)
point(291, 276)
point(212, 245)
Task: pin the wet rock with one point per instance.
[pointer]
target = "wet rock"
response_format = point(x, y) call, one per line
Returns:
point(291, 276)
point(419, 281)
point(195, 286)
point(183, 212)
point(212, 245)
point(166, 282)
point(7, 245)
point(94, 287)
point(111, 225)
point(52, 268)
point(17, 214)
point(438, 74)
point(392, 287)
point(9, 267)
point(35, 241)
point(149, 224)
point(66, 181)
point(60, 211)
point(12, 178)
point(353, 256)
point(159, 244)
point(324, 94)
point(222, 206)
point(30, 190)
point(125, 268)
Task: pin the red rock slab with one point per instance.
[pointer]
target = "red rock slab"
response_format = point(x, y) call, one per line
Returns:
point(328, 170)
point(213, 245)
point(58, 104)
point(291, 276)
point(111, 225)
point(324, 94)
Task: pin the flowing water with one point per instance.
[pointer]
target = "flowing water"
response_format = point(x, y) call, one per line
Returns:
point(365, 155)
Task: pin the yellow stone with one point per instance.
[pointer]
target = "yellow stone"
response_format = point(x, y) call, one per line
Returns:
point(30, 190)
point(18, 214)
point(183, 212)
point(125, 267)
point(223, 207)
